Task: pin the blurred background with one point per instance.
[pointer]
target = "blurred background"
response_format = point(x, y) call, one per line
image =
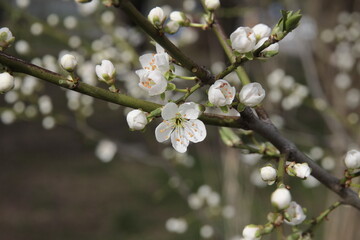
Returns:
point(71, 169)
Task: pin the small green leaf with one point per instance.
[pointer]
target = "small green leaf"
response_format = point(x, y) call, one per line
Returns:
point(224, 109)
point(249, 55)
point(162, 96)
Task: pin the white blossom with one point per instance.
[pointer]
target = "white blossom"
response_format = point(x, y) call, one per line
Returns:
point(153, 82)
point(261, 31)
point(68, 62)
point(158, 61)
point(136, 119)
point(294, 214)
point(252, 94)
point(268, 174)
point(250, 231)
point(212, 4)
point(352, 159)
point(281, 198)
point(243, 39)
point(180, 125)
point(178, 17)
point(156, 16)
point(176, 225)
point(221, 93)
point(105, 71)
point(172, 27)
point(300, 170)
point(6, 82)
point(273, 47)
point(6, 38)
point(106, 150)
point(206, 231)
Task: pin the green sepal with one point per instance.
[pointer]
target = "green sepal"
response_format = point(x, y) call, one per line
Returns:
point(269, 54)
point(241, 107)
point(209, 104)
point(170, 87)
point(162, 96)
point(169, 75)
point(224, 109)
point(249, 55)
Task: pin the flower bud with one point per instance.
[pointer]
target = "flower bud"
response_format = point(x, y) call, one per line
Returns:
point(6, 38)
point(281, 198)
point(105, 71)
point(250, 232)
point(172, 27)
point(68, 62)
point(212, 4)
point(243, 39)
point(294, 214)
point(6, 82)
point(178, 17)
point(252, 94)
point(136, 119)
point(268, 174)
point(300, 170)
point(156, 16)
point(352, 159)
point(221, 93)
point(261, 31)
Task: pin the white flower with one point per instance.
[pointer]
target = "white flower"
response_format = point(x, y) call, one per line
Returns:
point(68, 62)
point(181, 125)
point(250, 231)
point(294, 214)
point(158, 61)
point(212, 4)
point(152, 81)
point(252, 94)
point(206, 231)
point(301, 170)
point(136, 119)
point(172, 27)
point(268, 174)
point(105, 71)
point(221, 93)
point(261, 31)
point(281, 198)
point(243, 39)
point(106, 150)
point(6, 82)
point(176, 225)
point(352, 159)
point(178, 17)
point(273, 47)
point(6, 38)
point(156, 16)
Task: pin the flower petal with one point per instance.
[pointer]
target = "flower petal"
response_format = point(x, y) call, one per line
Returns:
point(169, 111)
point(178, 140)
point(160, 83)
point(195, 130)
point(189, 110)
point(162, 62)
point(146, 59)
point(163, 131)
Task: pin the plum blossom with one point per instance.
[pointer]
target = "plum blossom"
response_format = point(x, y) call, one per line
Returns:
point(294, 214)
point(152, 81)
point(268, 174)
point(352, 159)
point(250, 232)
point(181, 125)
point(156, 16)
point(243, 39)
point(68, 62)
point(212, 4)
point(221, 93)
point(136, 119)
point(105, 71)
point(300, 170)
point(6, 38)
point(281, 198)
point(6, 82)
point(158, 61)
point(252, 94)
point(261, 31)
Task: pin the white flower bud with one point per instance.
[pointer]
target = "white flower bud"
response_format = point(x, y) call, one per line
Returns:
point(105, 71)
point(212, 4)
point(281, 198)
point(6, 82)
point(301, 170)
point(136, 119)
point(68, 62)
point(261, 31)
point(156, 16)
point(221, 93)
point(268, 174)
point(252, 94)
point(294, 214)
point(243, 39)
point(6, 38)
point(273, 47)
point(178, 16)
point(250, 231)
point(172, 27)
point(352, 159)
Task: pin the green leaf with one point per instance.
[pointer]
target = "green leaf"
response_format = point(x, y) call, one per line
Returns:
point(249, 55)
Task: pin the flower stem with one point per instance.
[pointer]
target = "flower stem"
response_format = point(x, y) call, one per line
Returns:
point(185, 77)
point(198, 25)
point(281, 170)
point(189, 92)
